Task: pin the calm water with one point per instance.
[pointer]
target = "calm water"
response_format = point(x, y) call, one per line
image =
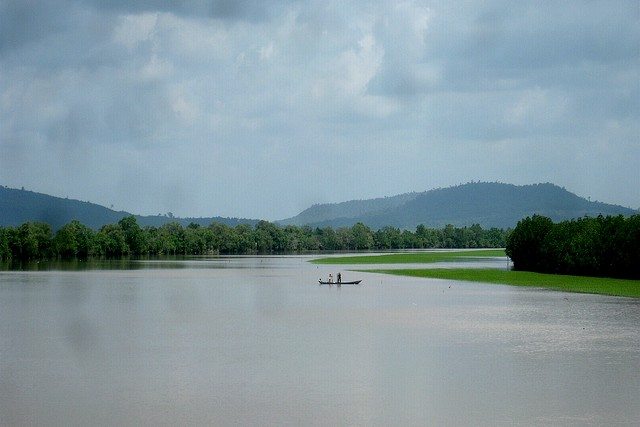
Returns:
point(255, 341)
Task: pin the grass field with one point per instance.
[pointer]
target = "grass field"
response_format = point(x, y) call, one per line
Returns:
point(412, 257)
point(582, 284)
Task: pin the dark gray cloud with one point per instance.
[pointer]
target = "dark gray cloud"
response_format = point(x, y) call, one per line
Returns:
point(22, 22)
point(240, 107)
point(232, 10)
point(497, 47)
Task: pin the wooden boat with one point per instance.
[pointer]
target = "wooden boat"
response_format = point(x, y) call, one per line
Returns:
point(356, 282)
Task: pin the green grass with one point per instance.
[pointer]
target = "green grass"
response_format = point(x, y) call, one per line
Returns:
point(582, 284)
point(411, 258)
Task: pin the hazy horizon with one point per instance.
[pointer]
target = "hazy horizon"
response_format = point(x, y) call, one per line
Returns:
point(115, 208)
point(260, 109)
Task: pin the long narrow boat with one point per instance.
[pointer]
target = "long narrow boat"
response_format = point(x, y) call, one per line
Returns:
point(356, 282)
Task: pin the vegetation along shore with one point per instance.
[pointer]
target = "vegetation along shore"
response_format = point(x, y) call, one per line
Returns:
point(598, 255)
point(601, 246)
point(37, 241)
point(411, 258)
point(566, 283)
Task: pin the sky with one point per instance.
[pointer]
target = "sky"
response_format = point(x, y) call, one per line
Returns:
point(259, 109)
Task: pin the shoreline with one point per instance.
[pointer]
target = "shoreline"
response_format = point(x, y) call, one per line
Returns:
point(565, 283)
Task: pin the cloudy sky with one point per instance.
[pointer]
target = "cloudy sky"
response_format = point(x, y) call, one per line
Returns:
point(259, 109)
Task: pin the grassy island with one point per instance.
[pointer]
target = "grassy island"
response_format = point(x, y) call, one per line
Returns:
point(581, 284)
point(566, 283)
point(412, 257)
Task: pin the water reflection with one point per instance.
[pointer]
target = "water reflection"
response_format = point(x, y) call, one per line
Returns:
point(78, 265)
point(256, 341)
point(164, 262)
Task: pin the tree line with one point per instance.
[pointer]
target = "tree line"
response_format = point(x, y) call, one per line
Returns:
point(590, 246)
point(37, 241)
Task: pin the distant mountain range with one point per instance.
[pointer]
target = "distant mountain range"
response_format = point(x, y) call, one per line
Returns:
point(20, 206)
point(488, 204)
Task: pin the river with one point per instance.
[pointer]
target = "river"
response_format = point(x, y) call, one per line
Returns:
point(256, 341)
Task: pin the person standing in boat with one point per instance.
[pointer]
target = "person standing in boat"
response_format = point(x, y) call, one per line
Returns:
point(339, 277)
point(330, 278)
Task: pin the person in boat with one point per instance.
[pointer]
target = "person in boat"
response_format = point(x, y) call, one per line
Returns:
point(330, 278)
point(339, 278)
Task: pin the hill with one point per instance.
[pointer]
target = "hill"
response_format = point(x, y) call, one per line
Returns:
point(320, 213)
point(488, 204)
point(20, 206)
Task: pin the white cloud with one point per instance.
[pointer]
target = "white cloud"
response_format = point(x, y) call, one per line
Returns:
point(156, 68)
point(266, 52)
point(537, 107)
point(257, 99)
point(135, 29)
point(349, 73)
point(185, 110)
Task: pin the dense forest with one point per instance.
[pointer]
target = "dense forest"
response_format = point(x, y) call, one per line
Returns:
point(36, 241)
point(601, 246)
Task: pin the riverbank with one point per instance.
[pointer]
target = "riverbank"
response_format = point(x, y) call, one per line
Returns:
point(566, 283)
point(413, 257)
point(580, 284)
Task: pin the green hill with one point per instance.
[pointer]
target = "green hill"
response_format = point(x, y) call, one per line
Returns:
point(320, 213)
point(488, 204)
point(20, 206)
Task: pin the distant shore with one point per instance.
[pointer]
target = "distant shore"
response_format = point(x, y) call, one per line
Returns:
point(565, 283)
point(558, 282)
point(413, 257)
